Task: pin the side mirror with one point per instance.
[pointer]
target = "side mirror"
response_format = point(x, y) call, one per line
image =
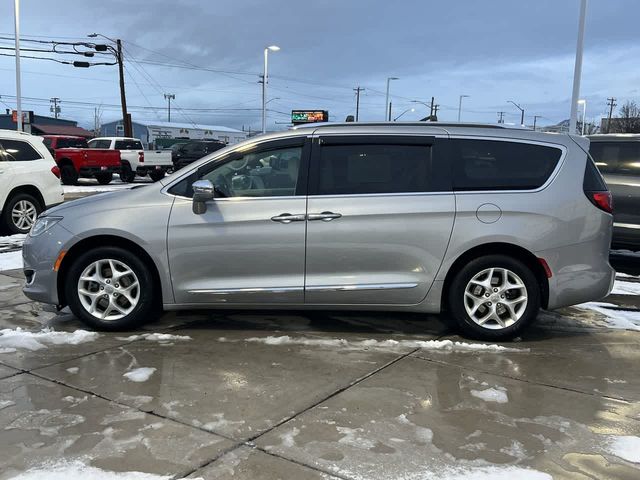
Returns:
point(203, 191)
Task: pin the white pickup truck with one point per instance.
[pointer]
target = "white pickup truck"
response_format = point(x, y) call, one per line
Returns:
point(135, 160)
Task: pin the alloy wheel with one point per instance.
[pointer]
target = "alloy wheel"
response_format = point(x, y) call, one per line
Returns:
point(24, 214)
point(495, 298)
point(108, 289)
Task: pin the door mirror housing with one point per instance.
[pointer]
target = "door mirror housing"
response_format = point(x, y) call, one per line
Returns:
point(203, 191)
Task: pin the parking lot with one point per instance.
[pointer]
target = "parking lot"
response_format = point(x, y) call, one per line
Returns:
point(268, 394)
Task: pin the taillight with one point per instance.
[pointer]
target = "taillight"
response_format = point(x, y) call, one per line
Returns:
point(141, 157)
point(602, 200)
point(56, 171)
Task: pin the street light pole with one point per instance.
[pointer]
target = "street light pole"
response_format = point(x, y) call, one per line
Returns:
point(387, 112)
point(577, 70)
point(583, 102)
point(273, 48)
point(16, 18)
point(521, 111)
point(460, 107)
point(407, 110)
point(169, 97)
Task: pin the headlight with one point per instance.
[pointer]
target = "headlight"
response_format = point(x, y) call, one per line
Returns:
point(43, 224)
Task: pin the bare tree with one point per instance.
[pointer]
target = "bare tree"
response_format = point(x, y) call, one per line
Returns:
point(629, 119)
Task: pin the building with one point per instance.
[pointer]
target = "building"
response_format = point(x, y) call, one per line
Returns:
point(40, 125)
point(155, 134)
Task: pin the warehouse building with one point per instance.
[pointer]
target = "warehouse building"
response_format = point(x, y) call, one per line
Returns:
point(155, 134)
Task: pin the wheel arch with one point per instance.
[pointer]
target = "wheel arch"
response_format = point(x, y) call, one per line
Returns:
point(104, 241)
point(499, 248)
point(65, 161)
point(29, 190)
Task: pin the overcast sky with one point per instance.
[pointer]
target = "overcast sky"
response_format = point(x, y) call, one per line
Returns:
point(491, 50)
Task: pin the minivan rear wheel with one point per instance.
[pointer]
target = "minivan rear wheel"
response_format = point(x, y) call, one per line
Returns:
point(494, 297)
point(109, 288)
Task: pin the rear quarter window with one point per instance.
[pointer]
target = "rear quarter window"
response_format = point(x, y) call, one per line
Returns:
point(500, 165)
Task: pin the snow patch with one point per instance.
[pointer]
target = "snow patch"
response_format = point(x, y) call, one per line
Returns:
point(626, 447)
point(7, 350)
point(6, 403)
point(155, 337)
point(491, 473)
point(11, 260)
point(66, 470)
point(288, 438)
point(621, 287)
point(26, 340)
point(444, 345)
point(622, 319)
point(141, 374)
point(73, 370)
point(498, 395)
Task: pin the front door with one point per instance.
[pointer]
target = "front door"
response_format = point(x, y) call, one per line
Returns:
point(248, 247)
point(380, 214)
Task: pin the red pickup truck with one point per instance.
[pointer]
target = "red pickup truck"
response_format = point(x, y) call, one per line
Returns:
point(76, 159)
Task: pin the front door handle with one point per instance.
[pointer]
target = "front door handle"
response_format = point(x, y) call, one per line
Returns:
point(288, 218)
point(324, 216)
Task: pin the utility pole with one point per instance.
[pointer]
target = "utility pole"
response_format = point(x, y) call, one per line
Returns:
point(434, 117)
point(169, 97)
point(16, 19)
point(126, 120)
point(611, 102)
point(431, 110)
point(358, 89)
point(501, 119)
point(55, 108)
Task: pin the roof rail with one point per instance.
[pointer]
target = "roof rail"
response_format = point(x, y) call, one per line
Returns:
point(406, 124)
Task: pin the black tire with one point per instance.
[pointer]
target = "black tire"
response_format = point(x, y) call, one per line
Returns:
point(68, 175)
point(7, 219)
point(456, 298)
point(126, 174)
point(104, 178)
point(156, 175)
point(148, 307)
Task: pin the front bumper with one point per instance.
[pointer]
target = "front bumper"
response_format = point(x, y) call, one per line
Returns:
point(39, 255)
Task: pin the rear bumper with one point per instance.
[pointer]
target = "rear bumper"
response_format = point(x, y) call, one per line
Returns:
point(146, 169)
point(581, 273)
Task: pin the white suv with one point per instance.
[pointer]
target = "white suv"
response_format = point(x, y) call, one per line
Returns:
point(28, 180)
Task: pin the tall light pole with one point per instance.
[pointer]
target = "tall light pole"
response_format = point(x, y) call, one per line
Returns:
point(521, 111)
point(460, 106)
point(16, 18)
point(387, 111)
point(407, 110)
point(168, 97)
point(577, 70)
point(126, 122)
point(583, 102)
point(273, 48)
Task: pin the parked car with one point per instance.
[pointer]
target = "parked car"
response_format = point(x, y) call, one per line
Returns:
point(29, 180)
point(77, 159)
point(135, 160)
point(490, 224)
point(194, 150)
point(617, 156)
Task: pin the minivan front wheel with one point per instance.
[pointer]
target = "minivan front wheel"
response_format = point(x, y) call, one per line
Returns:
point(109, 288)
point(494, 297)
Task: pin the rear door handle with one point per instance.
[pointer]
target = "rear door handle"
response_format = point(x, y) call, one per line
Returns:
point(324, 216)
point(288, 218)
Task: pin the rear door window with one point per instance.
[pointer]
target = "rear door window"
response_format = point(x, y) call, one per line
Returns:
point(621, 158)
point(18, 151)
point(100, 144)
point(353, 166)
point(500, 165)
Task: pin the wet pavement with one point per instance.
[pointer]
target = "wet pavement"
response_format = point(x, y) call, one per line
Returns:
point(316, 395)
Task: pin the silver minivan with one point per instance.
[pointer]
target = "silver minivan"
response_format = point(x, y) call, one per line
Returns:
point(487, 223)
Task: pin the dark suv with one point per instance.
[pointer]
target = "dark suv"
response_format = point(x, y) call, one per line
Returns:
point(194, 150)
point(618, 158)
